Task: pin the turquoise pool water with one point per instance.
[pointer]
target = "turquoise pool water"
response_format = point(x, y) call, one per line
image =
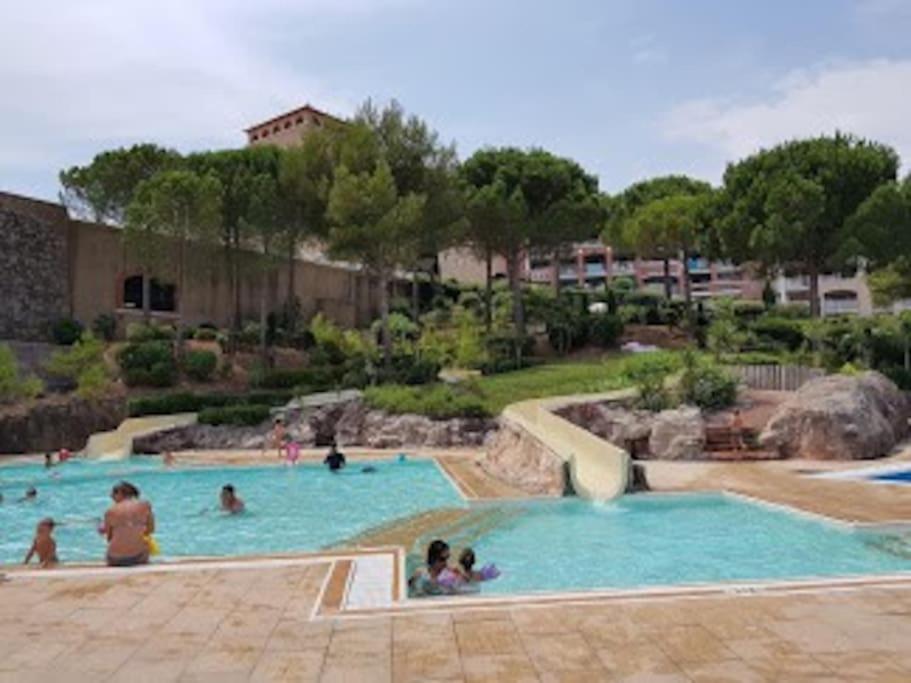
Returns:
point(289, 509)
point(645, 541)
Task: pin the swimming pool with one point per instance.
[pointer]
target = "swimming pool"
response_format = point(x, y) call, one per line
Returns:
point(289, 509)
point(896, 477)
point(660, 540)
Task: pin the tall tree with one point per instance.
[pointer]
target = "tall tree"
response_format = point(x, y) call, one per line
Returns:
point(264, 227)
point(175, 211)
point(103, 189)
point(305, 178)
point(495, 221)
point(557, 199)
point(420, 164)
point(879, 235)
point(372, 222)
point(235, 170)
point(625, 232)
point(787, 207)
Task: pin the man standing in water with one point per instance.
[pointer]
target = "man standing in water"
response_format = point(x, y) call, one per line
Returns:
point(335, 460)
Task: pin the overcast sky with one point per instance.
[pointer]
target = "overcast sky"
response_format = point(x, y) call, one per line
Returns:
point(628, 88)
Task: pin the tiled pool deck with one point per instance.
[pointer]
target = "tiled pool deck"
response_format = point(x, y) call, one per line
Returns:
point(267, 620)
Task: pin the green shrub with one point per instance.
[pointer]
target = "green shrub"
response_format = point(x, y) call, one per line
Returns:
point(314, 378)
point(783, 331)
point(140, 332)
point(706, 384)
point(792, 311)
point(148, 363)
point(105, 327)
point(438, 401)
point(605, 330)
point(66, 331)
point(752, 358)
point(186, 402)
point(410, 370)
point(749, 310)
point(899, 375)
point(200, 365)
point(649, 373)
point(83, 364)
point(205, 334)
point(12, 386)
point(239, 415)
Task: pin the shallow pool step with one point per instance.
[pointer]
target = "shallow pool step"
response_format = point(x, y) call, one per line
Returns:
point(405, 531)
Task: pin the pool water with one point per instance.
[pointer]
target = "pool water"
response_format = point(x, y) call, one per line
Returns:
point(901, 477)
point(654, 540)
point(289, 509)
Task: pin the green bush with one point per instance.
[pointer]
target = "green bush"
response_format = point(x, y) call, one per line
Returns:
point(649, 374)
point(205, 334)
point(409, 370)
point(12, 386)
point(899, 375)
point(105, 327)
point(438, 401)
point(749, 310)
point(783, 331)
point(792, 311)
point(83, 364)
point(314, 378)
point(140, 332)
point(66, 331)
point(148, 363)
point(186, 402)
point(200, 365)
point(705, 384)
point(238, 416)
point(605, 330)
point(752, 358)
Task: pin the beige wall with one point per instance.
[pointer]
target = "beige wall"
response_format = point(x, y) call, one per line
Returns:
point(463, 265)
point(99, 264)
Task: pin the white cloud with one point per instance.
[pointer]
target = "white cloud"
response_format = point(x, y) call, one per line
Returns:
point(870, 99)
point(81, 75)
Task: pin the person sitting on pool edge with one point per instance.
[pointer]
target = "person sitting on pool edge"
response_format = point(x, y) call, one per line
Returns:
point(425, 580)
point(335, 459)
point(127, 524)
point(230, 502)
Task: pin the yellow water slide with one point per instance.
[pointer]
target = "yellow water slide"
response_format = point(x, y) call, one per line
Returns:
point(118, 443)
point(598, 469)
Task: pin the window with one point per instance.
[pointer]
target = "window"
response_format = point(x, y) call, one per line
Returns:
point(287, 124)
point(254, 136)
point(299, 121)
point(162, 296)
point(265, 133)
point(276, 128)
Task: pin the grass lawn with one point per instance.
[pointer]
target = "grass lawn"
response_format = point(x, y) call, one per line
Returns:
point(489, 395)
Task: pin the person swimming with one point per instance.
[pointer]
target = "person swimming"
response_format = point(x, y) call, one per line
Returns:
point(230, 501)
point(31, 494)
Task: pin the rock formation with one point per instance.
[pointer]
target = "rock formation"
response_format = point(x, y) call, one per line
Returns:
point(521, 460)
point(839, 417)
point(677, 435)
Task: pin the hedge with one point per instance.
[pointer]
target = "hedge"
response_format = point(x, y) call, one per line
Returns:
point(438, 401)
point(239, 416)
point(186, 402)
point(200, 365)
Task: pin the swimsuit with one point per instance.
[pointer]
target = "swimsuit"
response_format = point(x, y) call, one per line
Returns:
point(129, 561)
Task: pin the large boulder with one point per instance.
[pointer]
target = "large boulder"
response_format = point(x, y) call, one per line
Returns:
point(839, 417)
point(519, 459)
point(611, 421)
point(677, 435)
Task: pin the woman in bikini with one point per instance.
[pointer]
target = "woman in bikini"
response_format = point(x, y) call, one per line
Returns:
point(127, 524)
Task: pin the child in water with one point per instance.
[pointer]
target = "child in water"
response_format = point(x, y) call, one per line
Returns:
point(44, 544)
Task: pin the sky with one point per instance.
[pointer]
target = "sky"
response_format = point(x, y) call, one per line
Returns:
point(630, 89)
